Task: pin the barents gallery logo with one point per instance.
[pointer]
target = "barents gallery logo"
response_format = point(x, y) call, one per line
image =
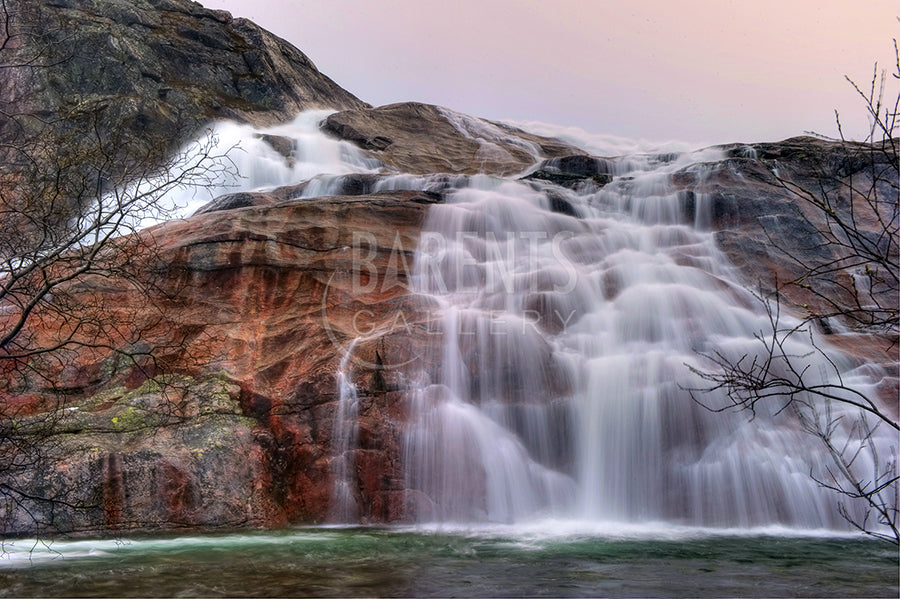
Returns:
point(466, 285)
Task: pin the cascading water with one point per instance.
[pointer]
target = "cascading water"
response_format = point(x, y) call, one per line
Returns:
point(344, 435)
point(564, 388)
point(266, 158)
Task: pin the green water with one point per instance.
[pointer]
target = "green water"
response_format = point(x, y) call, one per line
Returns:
point(494, 562)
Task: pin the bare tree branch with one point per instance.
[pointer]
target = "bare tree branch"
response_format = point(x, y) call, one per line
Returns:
point(851, 272)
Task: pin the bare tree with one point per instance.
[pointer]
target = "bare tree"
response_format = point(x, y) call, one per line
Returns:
point(75, 197)
point(849, 281)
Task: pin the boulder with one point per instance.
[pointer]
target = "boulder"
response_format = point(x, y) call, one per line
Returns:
point(573, 171)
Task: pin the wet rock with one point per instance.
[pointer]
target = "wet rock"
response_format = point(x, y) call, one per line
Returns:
point(772, 234)
point(233, 201)
point(584, 166)
point(422, 138)
point(282, 145)
point(571, 171)
point(561, 205)
point(567, 179)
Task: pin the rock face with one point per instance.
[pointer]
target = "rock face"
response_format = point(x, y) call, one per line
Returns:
point(162, 68)
point(256, 302)
point(422, 138)
point(232, 423)
point(774, 235)
point(771, 233)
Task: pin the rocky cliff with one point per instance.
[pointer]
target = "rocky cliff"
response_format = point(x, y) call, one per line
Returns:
point(159, 69)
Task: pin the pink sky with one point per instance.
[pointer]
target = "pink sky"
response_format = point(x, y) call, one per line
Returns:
point(696, 71)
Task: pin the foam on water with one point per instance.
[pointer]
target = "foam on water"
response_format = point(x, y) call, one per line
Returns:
point(25, 552)
point(534, 534)
point(537, 533)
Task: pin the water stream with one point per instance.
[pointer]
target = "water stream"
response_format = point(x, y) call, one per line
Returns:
point(345, 434)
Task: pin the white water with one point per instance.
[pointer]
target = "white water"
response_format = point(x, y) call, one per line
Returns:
point(604, 144)
point(255, 165)
point(344, 437)
point(564, 381)
point(565, 351)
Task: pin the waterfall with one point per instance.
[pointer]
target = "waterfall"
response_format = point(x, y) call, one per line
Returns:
point(569, 321)
point(567, 336)
point(344, 435)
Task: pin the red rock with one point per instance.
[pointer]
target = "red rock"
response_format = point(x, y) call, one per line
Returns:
point(251, 311)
